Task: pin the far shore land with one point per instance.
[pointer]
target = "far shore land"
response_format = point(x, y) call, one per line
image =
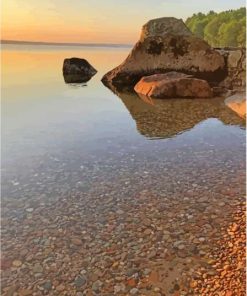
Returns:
point(17, 42)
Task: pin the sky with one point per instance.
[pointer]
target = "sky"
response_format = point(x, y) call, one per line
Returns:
point(97, 21)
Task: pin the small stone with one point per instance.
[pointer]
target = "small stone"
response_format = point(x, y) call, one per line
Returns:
point(119, 288)
point(120, 212)
point(201, 239)
point(80, 281)
point(115, 264)
point(193, 284)
point(223, 273)
point(227, 267)
point(60, 288)
point(147, 231)
point(16, 263)
point(134, 291)
point(83, 271)
point(47, 285)
point(179, 245)
point(131, 271)
point(132, 282)
point(146, 271)
point(37, 268)
point(97, 285)
point(76, 241)
point(152, 254)
point(29, 210)
point(212, 272)
point(25, 292)
point(235, 227)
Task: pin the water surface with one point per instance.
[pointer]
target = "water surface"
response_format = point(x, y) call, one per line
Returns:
point(113, 170)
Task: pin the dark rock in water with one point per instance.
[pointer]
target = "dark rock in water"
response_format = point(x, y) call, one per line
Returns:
point(173, 85)
point(77, 70)
point(167, 45)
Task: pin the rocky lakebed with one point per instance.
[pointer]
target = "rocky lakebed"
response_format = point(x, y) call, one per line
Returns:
point(161, 213)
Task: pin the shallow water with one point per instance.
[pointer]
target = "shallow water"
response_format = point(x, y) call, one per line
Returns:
point(87, 162)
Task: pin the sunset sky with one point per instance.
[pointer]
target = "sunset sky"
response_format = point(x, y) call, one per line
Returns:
point(109, 21)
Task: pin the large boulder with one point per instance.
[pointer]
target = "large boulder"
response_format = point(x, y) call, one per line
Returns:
point(166, 45)
point(173, 85)
point(77, 70)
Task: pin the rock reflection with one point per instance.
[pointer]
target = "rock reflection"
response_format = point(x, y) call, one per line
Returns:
point(169, 117)
point(69, 78)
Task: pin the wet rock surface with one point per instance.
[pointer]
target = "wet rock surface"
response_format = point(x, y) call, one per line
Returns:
point(173, 85)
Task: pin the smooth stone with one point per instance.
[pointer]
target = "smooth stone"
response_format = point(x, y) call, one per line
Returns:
point(80, 281)
point(47, 285)
point(173, 85)
point(29, 210)
point(37, 268)
point(119, 288)
point(134, 291)
point(16, 263)
point(97, 285)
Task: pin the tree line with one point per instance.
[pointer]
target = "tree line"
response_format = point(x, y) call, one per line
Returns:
point(227, 28)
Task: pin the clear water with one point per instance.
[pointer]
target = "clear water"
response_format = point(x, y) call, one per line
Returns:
point(44, 119)
point(70, 150)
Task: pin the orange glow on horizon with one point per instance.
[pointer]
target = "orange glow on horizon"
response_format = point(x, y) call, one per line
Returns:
point(25, 24)
point(94, 21)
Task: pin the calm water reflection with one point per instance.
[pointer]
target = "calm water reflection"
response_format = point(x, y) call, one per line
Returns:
point(43, 116)
point(84, 187)
point(167, 118)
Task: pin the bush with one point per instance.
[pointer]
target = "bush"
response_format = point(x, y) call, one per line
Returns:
point(227, 28)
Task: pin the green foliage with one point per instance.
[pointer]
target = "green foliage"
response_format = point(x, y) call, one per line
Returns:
point(227, 28)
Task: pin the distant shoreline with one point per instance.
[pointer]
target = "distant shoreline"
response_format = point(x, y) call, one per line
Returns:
point(65, 44)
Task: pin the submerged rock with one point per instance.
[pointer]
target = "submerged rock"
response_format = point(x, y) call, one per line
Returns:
point(166, 45)
point(77, 70)
point(173, 84)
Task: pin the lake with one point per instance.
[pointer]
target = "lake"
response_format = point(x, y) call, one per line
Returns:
point(100, 190)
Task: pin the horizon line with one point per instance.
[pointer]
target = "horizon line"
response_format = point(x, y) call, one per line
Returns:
point(9, 41)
